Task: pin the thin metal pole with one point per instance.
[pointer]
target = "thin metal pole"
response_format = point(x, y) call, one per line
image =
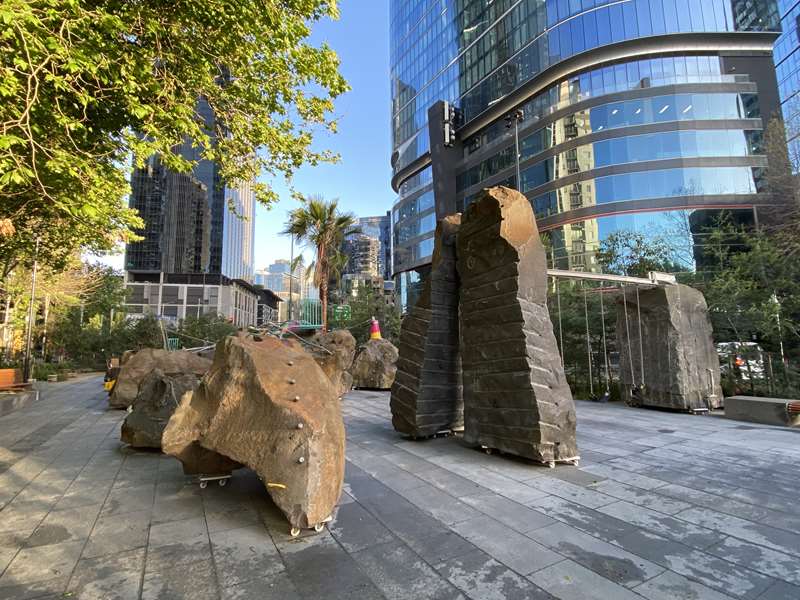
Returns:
point(605, 348)
point(588, 339)
point(516, 149)
point(26, 371)
point(291, 276)
point(641, 343)
point(560, 328)
point(628, 335)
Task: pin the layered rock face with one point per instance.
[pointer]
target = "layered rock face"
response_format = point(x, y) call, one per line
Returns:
point(427, 392)
point(158, 397)
point(677, 360)
point(516, 397)
point(375, 365)
point(267, 405)
point(142, 363)
point(341, 350)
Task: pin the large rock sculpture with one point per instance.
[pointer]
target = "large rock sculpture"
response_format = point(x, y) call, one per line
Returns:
point(266, 404)
point(427, 394)
point(516, 397)
point(375, 365)
point(334, 352)
point(673, 354)
point(140, 364)
point(158, 397)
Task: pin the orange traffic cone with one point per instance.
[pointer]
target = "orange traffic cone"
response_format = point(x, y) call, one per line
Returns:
point(375, 330)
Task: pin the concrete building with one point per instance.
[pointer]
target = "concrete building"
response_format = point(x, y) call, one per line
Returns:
point(380, 228)
point(175, 296)
point(363, 252)
point(627, 116)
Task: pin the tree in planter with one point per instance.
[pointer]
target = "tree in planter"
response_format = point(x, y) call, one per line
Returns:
point(86, 85)
point(364, 305)
point(319, 224)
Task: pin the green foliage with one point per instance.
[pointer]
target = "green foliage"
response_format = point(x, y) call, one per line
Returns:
point(206, 329)
point(321, 225)
point(86, 85)
point(368, 303)
point(634, 253)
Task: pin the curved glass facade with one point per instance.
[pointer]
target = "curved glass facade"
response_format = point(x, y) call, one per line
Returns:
point(683, 124)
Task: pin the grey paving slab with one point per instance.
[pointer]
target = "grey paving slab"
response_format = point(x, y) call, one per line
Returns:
point(355, 528)
point(42, 563)
point(568, 580)
point(65, 525)
point(669, 586)
point(641, 515)
point(116, 533)
point(710, 570)
point(781, 591)
point(778, 539)
point(481, 577)
point(764, 560)
point(399, 573)
point(674, 528)
point(118, 577)
point(512, 514)
point(605, 559)
point(271, 587)
point(653, 500)
point(194, 580)
point(517, 551)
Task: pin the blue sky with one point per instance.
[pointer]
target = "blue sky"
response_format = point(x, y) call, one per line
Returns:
point(361, 179)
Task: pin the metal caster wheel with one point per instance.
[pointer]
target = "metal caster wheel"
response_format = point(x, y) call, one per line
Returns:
point(222, 482)
point(294, 532)
point(319, 527)
point(203, 485)
point(551, 465)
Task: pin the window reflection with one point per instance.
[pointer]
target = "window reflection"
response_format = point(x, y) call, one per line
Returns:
point(663, 183)
point(639, 148)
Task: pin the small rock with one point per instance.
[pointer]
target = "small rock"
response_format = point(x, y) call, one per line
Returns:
point(375, 365)
point(335, 362)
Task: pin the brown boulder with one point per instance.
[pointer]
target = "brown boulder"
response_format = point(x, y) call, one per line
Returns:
point(158, 397)
point(672, 362)
point(267, 405)
point(334, 352)
point(375, 365)
point(516, 397)
point(427, 393)
point(138, 366)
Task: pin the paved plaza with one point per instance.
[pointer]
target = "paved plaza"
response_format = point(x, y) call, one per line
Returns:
point(664, 506)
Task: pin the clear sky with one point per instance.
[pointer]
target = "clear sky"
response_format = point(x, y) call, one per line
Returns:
point(361, 179)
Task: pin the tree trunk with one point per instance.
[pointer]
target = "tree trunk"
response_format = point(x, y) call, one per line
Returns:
point(323, 296)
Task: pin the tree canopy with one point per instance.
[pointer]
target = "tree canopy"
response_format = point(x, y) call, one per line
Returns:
point(86, 85)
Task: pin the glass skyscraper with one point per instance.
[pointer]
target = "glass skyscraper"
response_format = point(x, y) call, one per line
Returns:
point(221, 240)
point(787, 63)
point(642, 115)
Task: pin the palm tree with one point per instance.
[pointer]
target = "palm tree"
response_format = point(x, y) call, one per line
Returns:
point(319, 224)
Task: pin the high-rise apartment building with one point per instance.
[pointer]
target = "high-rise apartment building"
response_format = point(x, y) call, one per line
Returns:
point(380, 228)
point(629, 115)
point(787, 63)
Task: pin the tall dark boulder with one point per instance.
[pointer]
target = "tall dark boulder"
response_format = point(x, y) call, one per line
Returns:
point(516, 397)
point(427, 393)
point(673, 354)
